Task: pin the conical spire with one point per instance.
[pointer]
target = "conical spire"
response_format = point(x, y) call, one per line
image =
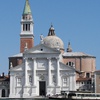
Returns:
point(27, 9)
point(69, 49)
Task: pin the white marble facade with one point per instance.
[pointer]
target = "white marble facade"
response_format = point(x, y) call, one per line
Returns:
point(41, 72)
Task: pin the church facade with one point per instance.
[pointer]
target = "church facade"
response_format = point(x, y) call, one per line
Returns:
point(46, 69)
point(41, 71)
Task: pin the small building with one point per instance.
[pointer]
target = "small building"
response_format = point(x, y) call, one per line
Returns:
point(97, 81)
point(84, 84)
point(4, 86)
point(84, 63)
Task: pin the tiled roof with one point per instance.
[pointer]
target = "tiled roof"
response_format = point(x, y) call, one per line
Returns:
point(83, 79)
point(75, 54)
point(97, 71)
point(18, 55)
point(5, 78)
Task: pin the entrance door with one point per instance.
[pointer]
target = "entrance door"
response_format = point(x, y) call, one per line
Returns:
point(3, 93)
point(42, 88)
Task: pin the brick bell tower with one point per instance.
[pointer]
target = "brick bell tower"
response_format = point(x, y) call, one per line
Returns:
point(26, 35)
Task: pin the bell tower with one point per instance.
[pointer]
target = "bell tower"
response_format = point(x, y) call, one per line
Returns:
point(26, 35)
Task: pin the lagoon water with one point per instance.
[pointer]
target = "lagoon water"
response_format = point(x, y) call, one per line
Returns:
point(26, 99)
point(22, 99)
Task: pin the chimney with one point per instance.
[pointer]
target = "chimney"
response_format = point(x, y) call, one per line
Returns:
point(3, 74)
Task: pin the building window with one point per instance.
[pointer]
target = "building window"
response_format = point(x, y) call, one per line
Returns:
point(70, 64)
point(3, 93)
point(41, 49)
point(26, 27)
point(87, 75)
point(23, 17)
point(90, 82)
point(64, 81)
point(87, 82)
point(18, 81)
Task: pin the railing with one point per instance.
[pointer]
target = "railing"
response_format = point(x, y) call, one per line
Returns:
point(87, 96)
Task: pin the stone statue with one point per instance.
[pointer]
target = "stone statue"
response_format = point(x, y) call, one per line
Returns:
point(41, 38)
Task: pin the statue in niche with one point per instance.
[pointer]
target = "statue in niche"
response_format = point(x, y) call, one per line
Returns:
point(30, 79)
point(54, 78)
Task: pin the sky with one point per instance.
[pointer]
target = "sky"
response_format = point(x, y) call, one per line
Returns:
point(77, 21)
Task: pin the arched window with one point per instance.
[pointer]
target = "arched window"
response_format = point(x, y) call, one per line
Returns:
point(26, 27)
point(70, 64)
point(3, 93)
point(64, 81)
point(19, 81)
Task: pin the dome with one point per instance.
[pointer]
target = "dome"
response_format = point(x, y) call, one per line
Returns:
point(53, 42)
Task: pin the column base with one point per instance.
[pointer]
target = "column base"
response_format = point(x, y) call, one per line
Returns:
point(50, 90)
point(25, 95)
point(58, 90)
point(33, 91)
point(12, 96)
point(25, 92)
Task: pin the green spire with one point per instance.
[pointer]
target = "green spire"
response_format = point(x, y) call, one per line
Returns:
point(27, 9)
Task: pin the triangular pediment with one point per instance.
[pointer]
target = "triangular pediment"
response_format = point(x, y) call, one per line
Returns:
point(17, 68)
point(66, 67)
point(41, 48)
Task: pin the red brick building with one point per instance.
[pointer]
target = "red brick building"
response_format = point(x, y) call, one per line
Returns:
point(97, 81)
point(85, 64)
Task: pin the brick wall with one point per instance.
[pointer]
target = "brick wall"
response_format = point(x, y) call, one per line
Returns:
point(15, 61)
point(23, 41)
point(83, 64)
point(98, 82)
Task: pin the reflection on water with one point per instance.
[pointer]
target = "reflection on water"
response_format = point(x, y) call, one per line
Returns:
point(25, 99)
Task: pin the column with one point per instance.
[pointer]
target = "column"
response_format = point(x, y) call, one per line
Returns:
point(0, 92)
point(21, 27)
point(31, 27)
point(49, 71)
point(26, 65)
point(74, 76)
point(6, 93)
point(95, 83)
point(11, 86)
point(69, 82)
point(34, 85)
point(34, 72)
point(58, 77)
point(25, 89)
point(49, 77)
